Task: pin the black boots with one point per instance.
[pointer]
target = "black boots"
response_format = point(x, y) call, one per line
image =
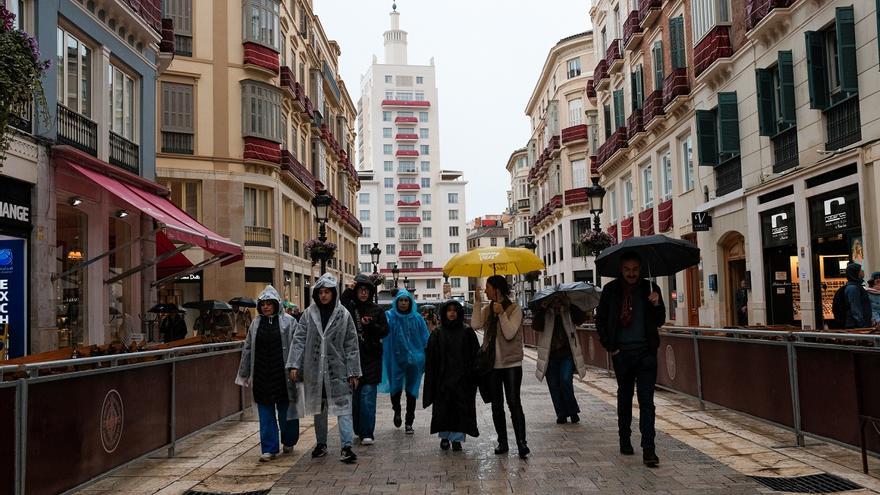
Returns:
point(626, 447)
point(649, 457)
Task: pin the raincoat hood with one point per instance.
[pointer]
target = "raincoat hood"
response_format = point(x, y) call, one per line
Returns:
point(364, 280)
point(459, 320)
point(326, 281)
point(413, 310)
point(270, 294)
point(852, 272)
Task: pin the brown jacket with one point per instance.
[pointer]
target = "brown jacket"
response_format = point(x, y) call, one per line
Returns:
point(509, 343)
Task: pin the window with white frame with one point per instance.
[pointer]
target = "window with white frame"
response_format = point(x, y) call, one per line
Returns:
point(364, 198)
point(627, 197)
point(74, 64)
point(428, 248)
point(575, 111)
point(389, 182)
point(574, 67)
point(386, 132)
point(426, 231)
point(425, 182)
point(647, 187)
point(404, 96)
point(387, 79)
point(387, 149)
point(389, 215)
point(612, 205)
point(455, 283)
point(261, 21)
point(453, 214)
point(426, 215)
point(453, 231)
point(424, 149)
point(364, 215)
point(579, 173)
point(423, 133)
point(261, 111)
point(426, 199)
point(420, 96)
point(453, 247)
point(666, 170)
point(256, 207)
point(390, 249)
point(365, 249)
point(452, 198)
point(426, 166)
point(388, 166)
point(706, 14)
point(367, 232)
point(389, 199)
point(687, 164)
point(420, 80)
point(386, 116)
point(423, 117)
point(389, 231)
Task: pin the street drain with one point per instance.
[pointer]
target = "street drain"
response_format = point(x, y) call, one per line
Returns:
point(256, 492)
point(814, 483)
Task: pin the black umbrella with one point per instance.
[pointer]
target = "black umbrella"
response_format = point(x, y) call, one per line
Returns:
point(166, 308)
point(247, 302)
point(660, 255)
point(208, 305)
point(583, 295)
point(427, 307)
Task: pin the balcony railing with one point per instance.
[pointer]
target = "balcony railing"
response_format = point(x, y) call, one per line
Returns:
point(715, 45)
point(406, 103)
point(757, 10)
point(406, 137)
point(409, 204)
point(612, 145)
point(600, 72)
point(408, 187)
point(613, 55)
point(632, 31)
point(634, 123)
point(648, 11)
point(407, 170)
point(675, 85)
point(409, 220)
point(591, 89)
point(653, 107)
point(576, 196)
point(406, 153)
point(177, 142)
point(785, 150)
point(257, 236)
point(406, 120)
point(409, 254)
point(843, 123)
point(124, 153)
point(77, 130)
point(302, 174)
point(21, 116)
point(728, 177)
point(574, 134)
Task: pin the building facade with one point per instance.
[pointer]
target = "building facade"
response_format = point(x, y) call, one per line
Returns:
point(412, 207)
point(564, 126)
point(254, 120)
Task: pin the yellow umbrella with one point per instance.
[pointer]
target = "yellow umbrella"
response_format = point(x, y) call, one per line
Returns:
point(485, 262)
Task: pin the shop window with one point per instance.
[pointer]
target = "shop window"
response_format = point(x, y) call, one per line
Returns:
point(71, 287)
point(121, 306)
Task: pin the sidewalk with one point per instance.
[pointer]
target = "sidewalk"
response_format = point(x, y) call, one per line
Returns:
point(701, 452)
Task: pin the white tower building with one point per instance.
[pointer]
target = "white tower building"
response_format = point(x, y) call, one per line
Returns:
point(409, 205)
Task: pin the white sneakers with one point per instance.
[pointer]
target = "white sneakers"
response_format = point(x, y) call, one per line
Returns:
point(266, 457)
point(367, 441)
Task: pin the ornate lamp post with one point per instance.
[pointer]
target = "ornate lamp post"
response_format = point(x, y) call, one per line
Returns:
point(395, 272)
point(531, 246)
point(374, 256)
point(406, 282)
point(596, 194)
point(321, 202)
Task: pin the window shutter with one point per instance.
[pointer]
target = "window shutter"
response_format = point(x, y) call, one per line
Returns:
point(676, 35)
point(817, 75)
point(619, 119)
point(634, 90)
point(177, 108)
point(641, 81)
point(786, 83)
point(847, 69)
point(707, 141)
point(728, 124)
point(766, 102)
point(607, 111)
point(658, 66)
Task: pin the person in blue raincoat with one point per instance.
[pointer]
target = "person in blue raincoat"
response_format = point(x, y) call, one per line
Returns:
point(403, 359)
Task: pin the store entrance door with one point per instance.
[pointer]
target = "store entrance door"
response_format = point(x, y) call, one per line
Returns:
point(782, 286)
point(735, 273)
point(830, 257)
point(692, 289)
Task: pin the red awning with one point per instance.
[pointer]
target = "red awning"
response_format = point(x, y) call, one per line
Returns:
point(177, 225)
point(175, 264)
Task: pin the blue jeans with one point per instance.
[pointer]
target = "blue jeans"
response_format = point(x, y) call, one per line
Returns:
point(560, 381)
point(452, 436)
point(269, 427)
point(344, 422)
point(363, 410)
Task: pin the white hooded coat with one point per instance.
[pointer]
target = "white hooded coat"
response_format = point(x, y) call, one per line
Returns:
point(288, 327)
point(326, 357)
point(546, 337)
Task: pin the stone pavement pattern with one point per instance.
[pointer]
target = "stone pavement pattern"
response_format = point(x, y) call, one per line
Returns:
point(580, 458)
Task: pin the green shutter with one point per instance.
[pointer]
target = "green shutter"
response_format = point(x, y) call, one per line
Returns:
point(658, 66)
point(847, 69)
point(728, 124)
point(766, 102)
point(634, 90)
point(817, 73)
point(707, 140)
point(619, 118)
point(676, 35)
point(607, 112)
point(786, 83)
point(878, 22)
point(640, 81)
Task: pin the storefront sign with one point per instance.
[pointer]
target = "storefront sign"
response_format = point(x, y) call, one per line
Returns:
point(778, 226)
point(15, 207)
point(701, 221)
point(192, 277)
point(835, 212)
point(13, 292)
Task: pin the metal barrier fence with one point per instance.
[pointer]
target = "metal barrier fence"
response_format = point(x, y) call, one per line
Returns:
point(64, 423)
point(811, 383)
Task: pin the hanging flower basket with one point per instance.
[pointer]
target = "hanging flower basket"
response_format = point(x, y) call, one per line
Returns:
point(319, 251)
point(594, 241)
point(377, 279)
point(20, 73)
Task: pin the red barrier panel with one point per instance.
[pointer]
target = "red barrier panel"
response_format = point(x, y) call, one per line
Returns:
point(79, 428)
point(747, 377)
point(206, 392)
point(593, 352)
point(677, 364)
point(530, 337)
point(7, 440)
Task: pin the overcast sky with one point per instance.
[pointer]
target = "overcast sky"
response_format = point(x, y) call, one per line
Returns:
point(488, 53)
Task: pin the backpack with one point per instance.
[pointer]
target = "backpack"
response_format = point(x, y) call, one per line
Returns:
point(839, 308)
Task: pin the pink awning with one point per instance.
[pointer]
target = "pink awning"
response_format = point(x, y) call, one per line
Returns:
point(177, 225)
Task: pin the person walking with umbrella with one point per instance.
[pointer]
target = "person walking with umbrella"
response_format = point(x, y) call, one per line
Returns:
point(502, 321)
point(559, 355)
point(262, 368)
point(629, 315)
point(173, 326)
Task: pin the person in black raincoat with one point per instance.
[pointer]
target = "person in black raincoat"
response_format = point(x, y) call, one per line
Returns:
point(173, 327)
point(372, 327)
point(450, 381)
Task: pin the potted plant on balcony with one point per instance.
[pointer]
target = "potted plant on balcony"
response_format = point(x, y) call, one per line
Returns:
point(594, 241)
point(20, 73)
point(318, 250)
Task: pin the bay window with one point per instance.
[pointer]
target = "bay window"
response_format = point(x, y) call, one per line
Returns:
point(707, 14)
point(261, 111)
point(261, 23)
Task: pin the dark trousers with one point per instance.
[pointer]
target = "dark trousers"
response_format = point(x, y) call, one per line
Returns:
point(507, 382)
point(560, 381)
point(636, 369)
point(410, 406)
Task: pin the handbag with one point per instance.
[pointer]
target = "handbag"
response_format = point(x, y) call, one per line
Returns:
point(486, 358)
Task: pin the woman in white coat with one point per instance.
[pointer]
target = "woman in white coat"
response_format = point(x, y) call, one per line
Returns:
point(559, 354)
point(262, 368)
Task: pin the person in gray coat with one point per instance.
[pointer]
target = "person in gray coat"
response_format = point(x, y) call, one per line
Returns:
point(326, 357)
point(262, 368)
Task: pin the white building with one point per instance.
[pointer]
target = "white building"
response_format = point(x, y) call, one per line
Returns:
point(408, 204)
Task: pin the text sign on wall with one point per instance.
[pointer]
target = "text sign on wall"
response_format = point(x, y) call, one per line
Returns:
point(701, 221)
point(13, 292)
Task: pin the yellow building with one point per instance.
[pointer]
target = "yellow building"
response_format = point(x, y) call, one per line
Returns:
point(254, 120)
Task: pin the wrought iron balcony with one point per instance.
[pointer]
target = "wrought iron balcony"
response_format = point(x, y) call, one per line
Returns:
point(728, 177)
point(124, 153)
point(649, 11)
point(177, 142)
point(843, 123)
point(785, 150)
point(77, 130)
point(257, 236)
point(574, 134)
point(21, 117)
point(632, 31)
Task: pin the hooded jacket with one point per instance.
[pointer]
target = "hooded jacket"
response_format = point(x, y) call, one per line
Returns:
point(450, 381)
point(403, 358)
point(858, 305)
point(325, 351)
point(288, 327)
point(370, 332)
point(544, 322)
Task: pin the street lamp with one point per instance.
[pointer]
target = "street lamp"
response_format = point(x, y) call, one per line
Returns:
point(374, 255)
point(395, 272)
point(531, 246)
point(406, 282)
point(321, 202)
point(596, 193)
